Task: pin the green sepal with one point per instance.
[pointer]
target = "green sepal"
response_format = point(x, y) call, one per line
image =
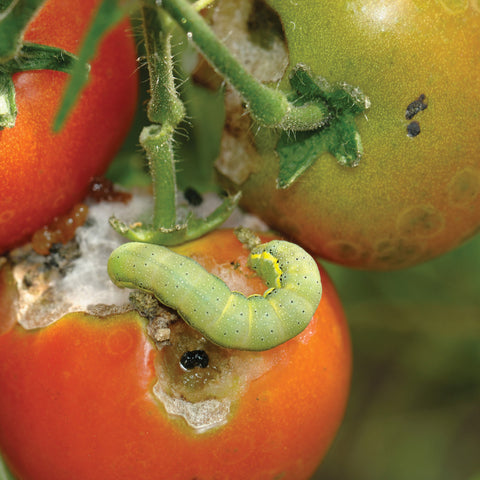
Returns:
point(34, 56)
point(297, 153)
point(341, 98)
point(339, 136)
point(8, 108)
point(190, 229)
point(31, 56)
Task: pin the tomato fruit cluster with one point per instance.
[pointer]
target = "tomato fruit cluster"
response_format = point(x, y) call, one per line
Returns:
point(77, 396)
point(45, 173)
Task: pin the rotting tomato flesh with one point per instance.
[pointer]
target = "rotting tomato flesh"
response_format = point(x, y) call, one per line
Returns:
point(77, 396)
point(44, 174)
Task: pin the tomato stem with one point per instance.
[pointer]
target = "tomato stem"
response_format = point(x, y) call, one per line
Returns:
point(269, 106)
point(164, 105)
point(166, 111)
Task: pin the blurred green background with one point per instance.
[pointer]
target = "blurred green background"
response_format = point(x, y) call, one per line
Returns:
point(414, 410)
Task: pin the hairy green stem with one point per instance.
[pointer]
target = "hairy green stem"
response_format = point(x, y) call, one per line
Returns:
point(157, 141)
point(268, 106)
point(166, 110)
point(164, 105)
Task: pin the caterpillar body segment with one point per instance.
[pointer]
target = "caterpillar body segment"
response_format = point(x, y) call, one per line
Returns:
point(204, 301)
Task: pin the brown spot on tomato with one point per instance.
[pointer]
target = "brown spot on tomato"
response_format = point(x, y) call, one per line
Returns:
point(61, 230)
point(464, 188)
point(420, 221)
point(6, 216)
point(344, 250)
point(398, 252)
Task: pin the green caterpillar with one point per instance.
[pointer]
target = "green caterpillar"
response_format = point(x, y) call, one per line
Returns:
point(229, 319)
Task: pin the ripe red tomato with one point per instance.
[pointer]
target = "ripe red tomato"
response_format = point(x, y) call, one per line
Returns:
point(416, 192)
point(77, 396)
point(44, 174)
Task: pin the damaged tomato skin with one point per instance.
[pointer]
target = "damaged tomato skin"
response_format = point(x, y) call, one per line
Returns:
point(44, 173)
point(77, 399)
point(414, 196)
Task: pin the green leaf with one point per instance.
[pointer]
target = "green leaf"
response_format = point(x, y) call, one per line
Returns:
point(298, 151)
point(108, 15)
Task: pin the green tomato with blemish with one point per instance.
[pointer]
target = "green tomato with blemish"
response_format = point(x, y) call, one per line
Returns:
point(415, 193)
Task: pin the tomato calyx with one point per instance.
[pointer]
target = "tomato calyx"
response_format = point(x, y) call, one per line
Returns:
point(15, 16)
point(166, 111)
point(34, 56)
point(299, 141)
point(31, 56)
point(339, 134)
point(183, 230)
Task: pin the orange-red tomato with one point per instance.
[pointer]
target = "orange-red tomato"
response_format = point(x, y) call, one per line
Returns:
point(44, 174)
point(77, 396)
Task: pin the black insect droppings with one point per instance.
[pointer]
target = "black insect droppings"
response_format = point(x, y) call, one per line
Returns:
point(415, 107)
point(413, 129)
point(192, 197)
point(194, 358)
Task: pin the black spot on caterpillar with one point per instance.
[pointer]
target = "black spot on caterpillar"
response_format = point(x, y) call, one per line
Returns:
point(204, 301)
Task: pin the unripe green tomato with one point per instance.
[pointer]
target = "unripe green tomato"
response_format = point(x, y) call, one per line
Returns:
point(414, 195)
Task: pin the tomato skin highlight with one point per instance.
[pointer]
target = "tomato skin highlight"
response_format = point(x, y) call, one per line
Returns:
point(414, 196)
point(44, 173)
point(77, 399)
